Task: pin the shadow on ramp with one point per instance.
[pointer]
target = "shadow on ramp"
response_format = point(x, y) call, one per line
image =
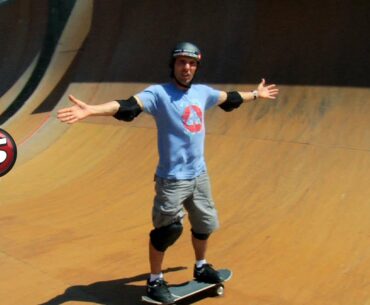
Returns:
point(114, 292)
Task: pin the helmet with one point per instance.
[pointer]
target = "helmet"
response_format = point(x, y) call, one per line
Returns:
point(186, 49)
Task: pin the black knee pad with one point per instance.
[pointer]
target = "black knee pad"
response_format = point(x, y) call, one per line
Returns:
point(200, 236)
point(162, 238)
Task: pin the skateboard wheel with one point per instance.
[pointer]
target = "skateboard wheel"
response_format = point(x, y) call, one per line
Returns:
point(220, 290)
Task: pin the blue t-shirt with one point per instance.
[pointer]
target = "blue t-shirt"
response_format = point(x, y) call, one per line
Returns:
point(179, 116)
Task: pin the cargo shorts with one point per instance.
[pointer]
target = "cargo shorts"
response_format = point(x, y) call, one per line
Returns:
point(176, 197)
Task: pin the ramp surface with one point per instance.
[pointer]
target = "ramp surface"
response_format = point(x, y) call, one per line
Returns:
point(22, 29)
point(290, 180)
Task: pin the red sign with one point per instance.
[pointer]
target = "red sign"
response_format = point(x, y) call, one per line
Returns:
point(8, 152)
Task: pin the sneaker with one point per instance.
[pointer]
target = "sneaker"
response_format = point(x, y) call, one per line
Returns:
point(207, 274)
point(158, 291)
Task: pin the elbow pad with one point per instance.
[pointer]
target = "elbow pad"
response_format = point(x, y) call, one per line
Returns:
point(128, 109)
point(233, 101)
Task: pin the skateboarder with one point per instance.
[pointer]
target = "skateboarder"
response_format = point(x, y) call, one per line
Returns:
point(181, 179)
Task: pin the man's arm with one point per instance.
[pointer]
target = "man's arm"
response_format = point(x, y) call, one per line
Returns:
point(262, 91)
point(80, 110)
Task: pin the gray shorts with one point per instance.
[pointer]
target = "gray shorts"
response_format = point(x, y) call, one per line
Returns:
point(173, 197)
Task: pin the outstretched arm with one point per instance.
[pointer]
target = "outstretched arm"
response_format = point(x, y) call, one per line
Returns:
point(80, 110)
point(262, 91)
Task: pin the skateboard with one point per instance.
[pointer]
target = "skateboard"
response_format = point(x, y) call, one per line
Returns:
point(194, 287)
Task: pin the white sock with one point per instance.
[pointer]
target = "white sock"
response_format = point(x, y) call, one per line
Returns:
point(200, 263)
point(154, 277)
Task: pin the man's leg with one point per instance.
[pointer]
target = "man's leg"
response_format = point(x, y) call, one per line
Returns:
point(203, 271)
point(160, 239)
point(157, 288)
point(203, 218)
point(167, 215)
point(202, 215)
point(155, 259)
point(200, 248)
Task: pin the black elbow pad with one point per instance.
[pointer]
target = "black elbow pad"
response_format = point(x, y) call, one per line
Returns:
point(233, 100)
point(128, 109)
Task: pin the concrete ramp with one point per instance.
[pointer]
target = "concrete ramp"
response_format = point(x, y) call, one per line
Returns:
point(290, 179)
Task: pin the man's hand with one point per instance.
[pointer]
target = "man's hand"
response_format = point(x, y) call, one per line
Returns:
point(269, 92)
point(77, 112)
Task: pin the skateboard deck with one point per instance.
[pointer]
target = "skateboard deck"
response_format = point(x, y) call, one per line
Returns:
point(194, 287)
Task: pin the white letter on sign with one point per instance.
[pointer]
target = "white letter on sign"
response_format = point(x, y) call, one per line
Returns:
point(3, 154)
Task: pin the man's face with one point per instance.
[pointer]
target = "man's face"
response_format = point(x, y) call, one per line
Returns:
point(184, 69)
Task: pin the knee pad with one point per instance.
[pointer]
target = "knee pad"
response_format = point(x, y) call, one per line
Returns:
point(200, 236)
point(163, 237)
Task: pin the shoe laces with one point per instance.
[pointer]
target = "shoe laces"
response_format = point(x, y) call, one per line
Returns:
point(157, 283)
point(204, 267)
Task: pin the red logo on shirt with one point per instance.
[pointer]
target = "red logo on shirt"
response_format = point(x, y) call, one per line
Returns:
point(193, 118)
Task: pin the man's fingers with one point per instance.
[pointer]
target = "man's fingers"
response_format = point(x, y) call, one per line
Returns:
point(72, 121)
point(70, 115)
point(64, 115)
point(69, 119)
point(75, 101)
point(65, 119)
point(67, 116)
point(268, 91)
point(64, 110)
point(262, 83)
point(72, 98)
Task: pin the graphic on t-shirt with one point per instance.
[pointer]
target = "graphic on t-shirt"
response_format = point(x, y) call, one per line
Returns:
point(192, 118)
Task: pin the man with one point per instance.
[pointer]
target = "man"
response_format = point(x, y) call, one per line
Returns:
point(181, 176)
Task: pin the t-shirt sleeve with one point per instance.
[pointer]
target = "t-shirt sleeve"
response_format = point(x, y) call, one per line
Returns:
point(213, 96)
point(149, 99)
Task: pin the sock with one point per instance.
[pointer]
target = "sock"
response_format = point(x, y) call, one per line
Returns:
point(154, 277)
point(200, 263)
